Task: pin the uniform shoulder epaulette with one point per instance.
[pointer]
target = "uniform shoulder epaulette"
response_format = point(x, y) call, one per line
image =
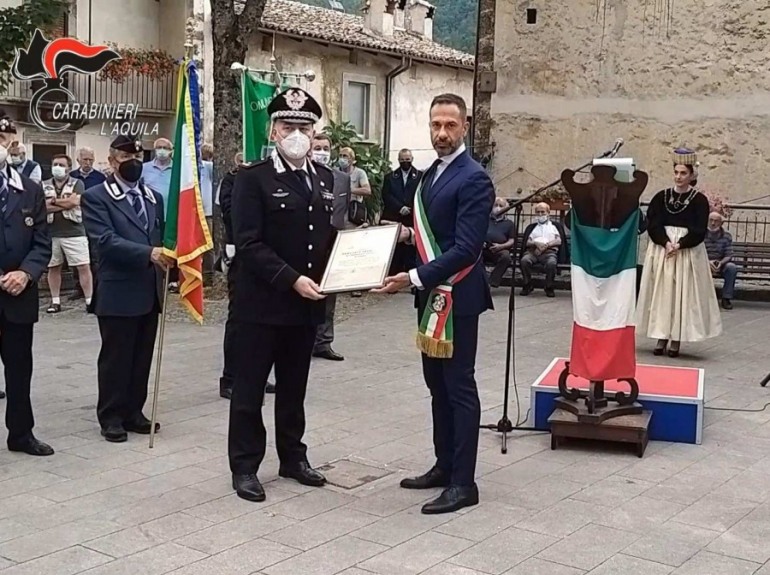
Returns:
point(254, 164)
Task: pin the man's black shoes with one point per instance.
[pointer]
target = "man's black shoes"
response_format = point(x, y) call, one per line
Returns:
point(140, 425)
point(114, 433)
point(329, 354)
point(248, 487)
point(303, 473)
point(31, 446)
point(434, 478)
point(452, 499)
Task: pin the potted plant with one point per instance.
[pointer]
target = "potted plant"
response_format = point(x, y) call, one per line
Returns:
point(148, 62)
point(717, 202)
point(556, 196)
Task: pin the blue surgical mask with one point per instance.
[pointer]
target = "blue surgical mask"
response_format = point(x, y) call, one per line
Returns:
point(343, 163)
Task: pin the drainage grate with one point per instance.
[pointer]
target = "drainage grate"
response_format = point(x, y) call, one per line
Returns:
point(349, 474)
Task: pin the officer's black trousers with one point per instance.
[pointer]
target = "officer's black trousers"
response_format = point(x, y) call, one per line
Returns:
point(258, 348)
point(124, 366)
point(16, 353)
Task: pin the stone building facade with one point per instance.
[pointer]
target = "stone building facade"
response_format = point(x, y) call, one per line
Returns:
point(574, 75)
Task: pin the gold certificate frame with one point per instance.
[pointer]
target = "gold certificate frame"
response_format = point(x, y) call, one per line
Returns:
point(360, 259)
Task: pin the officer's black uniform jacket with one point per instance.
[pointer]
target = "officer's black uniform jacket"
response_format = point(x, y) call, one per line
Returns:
point(282, 230)
point(25, 244)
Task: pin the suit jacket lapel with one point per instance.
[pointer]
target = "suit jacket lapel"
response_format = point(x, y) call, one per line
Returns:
point(449, 173)
point(119, 197)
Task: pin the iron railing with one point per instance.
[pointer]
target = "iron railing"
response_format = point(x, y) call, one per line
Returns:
point(747, 223)
point(150, 95)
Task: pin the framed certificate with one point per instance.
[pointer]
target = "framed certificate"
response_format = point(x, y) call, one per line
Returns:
point(360, 259)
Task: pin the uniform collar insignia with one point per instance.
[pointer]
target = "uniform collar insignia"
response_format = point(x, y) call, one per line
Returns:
point(15, 180)
point(116, 192)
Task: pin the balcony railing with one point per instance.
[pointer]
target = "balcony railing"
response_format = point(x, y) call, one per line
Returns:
point(151, 96)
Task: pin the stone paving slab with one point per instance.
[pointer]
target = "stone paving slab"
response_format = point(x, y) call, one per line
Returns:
point(101, 508)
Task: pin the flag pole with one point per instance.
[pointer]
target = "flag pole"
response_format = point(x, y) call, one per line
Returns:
point(188, 46)
point(159, 362)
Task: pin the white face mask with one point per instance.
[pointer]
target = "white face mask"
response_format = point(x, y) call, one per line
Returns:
point(16, 160)
point(322, 157)
point(3, 154)
point(58, 172)
point(296, 145)
point(542, 219)
point(163, 153)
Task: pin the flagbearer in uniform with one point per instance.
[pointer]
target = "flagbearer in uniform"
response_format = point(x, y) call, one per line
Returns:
point(124, 220)
point(281, 219)
point(25, 250)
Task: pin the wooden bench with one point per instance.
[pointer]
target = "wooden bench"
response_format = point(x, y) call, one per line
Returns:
point(752, 260)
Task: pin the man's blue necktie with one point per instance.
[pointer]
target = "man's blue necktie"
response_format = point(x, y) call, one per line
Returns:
point(136, 201)
point(3, 194)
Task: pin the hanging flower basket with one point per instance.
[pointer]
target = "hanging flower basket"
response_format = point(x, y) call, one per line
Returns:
point(150, 63)
point(557, 197)
point(717, 202)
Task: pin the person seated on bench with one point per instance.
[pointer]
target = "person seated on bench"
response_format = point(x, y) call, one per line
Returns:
point(540, 245)
point(719, 245)
point(501, 237)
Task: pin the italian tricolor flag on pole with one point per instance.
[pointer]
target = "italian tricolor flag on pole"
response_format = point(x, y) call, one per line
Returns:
point(187, 235)
point(603, 300)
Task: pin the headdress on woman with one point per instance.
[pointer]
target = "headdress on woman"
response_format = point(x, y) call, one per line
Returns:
point(685, 156)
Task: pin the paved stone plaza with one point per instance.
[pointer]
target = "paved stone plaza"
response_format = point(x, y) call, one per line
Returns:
point(116, 509)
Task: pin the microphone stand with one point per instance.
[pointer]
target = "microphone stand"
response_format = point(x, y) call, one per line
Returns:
point(765, 381)
point(505, 426)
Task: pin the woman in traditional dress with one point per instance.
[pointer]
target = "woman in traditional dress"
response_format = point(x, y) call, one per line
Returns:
point(677, 300)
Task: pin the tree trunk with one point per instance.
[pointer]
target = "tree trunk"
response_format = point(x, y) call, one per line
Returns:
point(485, 62)
point(230, 33)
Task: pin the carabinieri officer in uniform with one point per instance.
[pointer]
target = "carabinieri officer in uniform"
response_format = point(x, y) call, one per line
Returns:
point(124, 221)
point(25, 250)
point(281, 218)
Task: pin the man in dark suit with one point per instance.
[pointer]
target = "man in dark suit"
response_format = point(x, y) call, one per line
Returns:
point(281, 215)
point(124, 221)
point(321, 153)
point(25, 250)
point(455, 197)
point(398, 191)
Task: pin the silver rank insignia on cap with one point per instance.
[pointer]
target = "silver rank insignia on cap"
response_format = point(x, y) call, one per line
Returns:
point(29, 222)
point(295, 99)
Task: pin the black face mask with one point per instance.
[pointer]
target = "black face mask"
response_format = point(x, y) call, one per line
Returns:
point(406, 166)
point(130, 170)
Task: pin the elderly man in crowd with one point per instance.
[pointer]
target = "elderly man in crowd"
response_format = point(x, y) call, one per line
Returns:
point(719, 245)
point(541, 244)
point(23, 165)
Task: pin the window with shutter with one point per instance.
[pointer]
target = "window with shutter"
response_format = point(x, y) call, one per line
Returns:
point(60, 28)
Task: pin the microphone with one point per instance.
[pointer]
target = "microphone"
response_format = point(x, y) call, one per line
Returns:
point(618, 144)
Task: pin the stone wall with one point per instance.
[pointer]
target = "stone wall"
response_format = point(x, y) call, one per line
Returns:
point(655, 72)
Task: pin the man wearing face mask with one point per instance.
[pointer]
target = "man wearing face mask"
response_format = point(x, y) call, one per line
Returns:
point(68, 235)
point(321, 153)
point(499, 243)
point(719, 245)
point(281, 218)
point(25, 249)
point(398, 191)
point(124, 220)
point(540, 245)
point(156, 175)
point(24, 166)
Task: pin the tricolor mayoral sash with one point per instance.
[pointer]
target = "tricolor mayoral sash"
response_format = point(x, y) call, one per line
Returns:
point(603, 274)
point(434, 337)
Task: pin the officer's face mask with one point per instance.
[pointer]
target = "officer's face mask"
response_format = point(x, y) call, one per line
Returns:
point(295, 146)
point(130, 170)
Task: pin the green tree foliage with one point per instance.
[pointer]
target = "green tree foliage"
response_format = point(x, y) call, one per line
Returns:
point(455, 23)
point(18, 24)
point(370, 158)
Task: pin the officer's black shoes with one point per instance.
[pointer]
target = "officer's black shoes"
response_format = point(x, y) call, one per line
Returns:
point(114, 433)
point(434, 478)
point(2, 394)
point(452, 499)
point(270, 387)
point(248, 487)
point(329, 354)
point(140, 425)
point(226, 392)
point(303, 473)
point(31, 446)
